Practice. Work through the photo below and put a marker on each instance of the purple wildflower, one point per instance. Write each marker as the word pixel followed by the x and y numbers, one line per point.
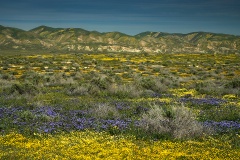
pixel 122 106
pixel 223 126
pixel 201 101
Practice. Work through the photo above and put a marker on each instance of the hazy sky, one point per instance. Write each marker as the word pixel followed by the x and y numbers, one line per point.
pixel 127 16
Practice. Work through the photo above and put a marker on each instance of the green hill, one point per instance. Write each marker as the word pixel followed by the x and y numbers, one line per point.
pixel 44 38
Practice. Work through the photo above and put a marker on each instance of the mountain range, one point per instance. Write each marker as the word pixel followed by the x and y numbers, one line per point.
pixel 48 39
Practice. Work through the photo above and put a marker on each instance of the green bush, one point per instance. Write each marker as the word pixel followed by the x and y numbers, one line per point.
pixel 22 88
pixel 235 83
pixel 102 83
pixel 231 113
pixel 33 77
pixel 7 76
pixel 26 116
pixel 159 85
pixel 148 83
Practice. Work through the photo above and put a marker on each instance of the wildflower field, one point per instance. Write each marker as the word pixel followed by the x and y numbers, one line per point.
pixel 119 106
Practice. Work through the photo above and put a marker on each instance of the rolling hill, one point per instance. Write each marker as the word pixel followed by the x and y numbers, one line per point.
pixel 48 39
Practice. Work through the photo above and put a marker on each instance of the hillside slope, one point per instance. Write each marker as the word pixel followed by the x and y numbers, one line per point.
pixel 45 38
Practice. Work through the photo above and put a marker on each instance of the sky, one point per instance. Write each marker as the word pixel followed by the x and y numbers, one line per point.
pixel 126 16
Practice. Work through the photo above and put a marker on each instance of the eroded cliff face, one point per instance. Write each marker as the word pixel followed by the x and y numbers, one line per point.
pixel 80 40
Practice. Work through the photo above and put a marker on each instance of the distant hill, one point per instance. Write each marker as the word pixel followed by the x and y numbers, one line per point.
pixel 44 38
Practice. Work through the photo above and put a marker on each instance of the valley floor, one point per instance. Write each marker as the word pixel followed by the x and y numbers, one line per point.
pixel 120 106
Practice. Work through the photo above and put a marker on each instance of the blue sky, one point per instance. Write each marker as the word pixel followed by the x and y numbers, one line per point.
pixel 127 16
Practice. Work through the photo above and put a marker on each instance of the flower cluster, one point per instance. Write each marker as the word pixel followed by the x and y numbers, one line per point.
pixel 122 106
pixel 49 119
pixel 202 101
pixel 223 126
pixel 99 145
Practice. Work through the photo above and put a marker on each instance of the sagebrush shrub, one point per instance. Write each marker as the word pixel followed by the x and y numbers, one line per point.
pixel 184 123
pixel 155 120
pixel 105 111
pixel 22 88
pixel 176 121
pixel 124 91
pixel 76 90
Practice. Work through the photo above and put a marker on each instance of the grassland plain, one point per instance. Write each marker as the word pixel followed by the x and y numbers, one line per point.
pixel 120 106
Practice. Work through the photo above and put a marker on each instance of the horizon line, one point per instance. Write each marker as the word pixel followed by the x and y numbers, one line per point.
pixel 7 26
